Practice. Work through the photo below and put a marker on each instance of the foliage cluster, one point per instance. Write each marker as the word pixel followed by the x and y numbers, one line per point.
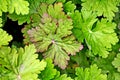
pixel 63 40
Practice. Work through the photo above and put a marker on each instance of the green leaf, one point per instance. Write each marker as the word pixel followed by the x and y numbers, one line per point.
pixel 3 6
pixel 63 77
pixel 69 6
pixel 33 5
pixel 117 76
pixel 116 62
pixel 21 18
pixel 106 65
pixel 76 1
pixel 63 1
pixel 81 59
pixel 21 64
pixel 92 73
pixel 55 10
pixel 102 7
pixel 5 38
pixel 19 6
pixel 55 75
pixel 46 74
pixel 53 35
pixel 99 35
pixel 48 1
pixel 0 22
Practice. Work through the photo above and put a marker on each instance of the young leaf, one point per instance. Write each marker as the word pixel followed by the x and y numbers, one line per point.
pixel 92 73
pixel 102 7
pixel 53 35
pixel 4 37
pixel 116 62
pixel 20 65
pixel 99 35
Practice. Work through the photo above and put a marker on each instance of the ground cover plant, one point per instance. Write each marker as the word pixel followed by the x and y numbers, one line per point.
pixel 59 39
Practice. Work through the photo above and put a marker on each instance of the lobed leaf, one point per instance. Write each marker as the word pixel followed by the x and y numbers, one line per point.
pixel 99 35
pixel 46 74
pixel 20 65
pixel 63 77
pixel 3 6
pixel 106 65
pixel 21 18
pixel 19 6
pixel 5 38
pixel 101 7
pixel 92 73
pixel 116 61
pixel 53 35
pixel 69 6
pixel 33 5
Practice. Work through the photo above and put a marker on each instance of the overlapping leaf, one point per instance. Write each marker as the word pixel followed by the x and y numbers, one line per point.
pixel 63 77
pixel 5 38
pixel 53 35
pixel 49 72
pixel 33 5
pixel 20 65
pixel 21 18
pixel 48 1
pixel 99 35
pixel 92 73
pixel 19 6
pixel 69 6
pixel 102 7
pixel 3 6
pixel 106 65
pixel 116 62
pixel 55 75
pixel 0 22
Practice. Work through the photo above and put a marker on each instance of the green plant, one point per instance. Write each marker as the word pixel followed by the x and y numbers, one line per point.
pixel 63 40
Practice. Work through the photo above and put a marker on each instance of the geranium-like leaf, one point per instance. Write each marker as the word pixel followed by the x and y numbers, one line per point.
pixel 3 6
pixel 53 35
pixel 106 65
pixel 102 7
pixel 21 64
pixel 21 18
pixel 98 34
pixel 69 6
pixel 4 37
pixel 19 6
pixel 33 5
pixel 46 74
pixel 116 62
pixel 63 77
pixel 92 73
